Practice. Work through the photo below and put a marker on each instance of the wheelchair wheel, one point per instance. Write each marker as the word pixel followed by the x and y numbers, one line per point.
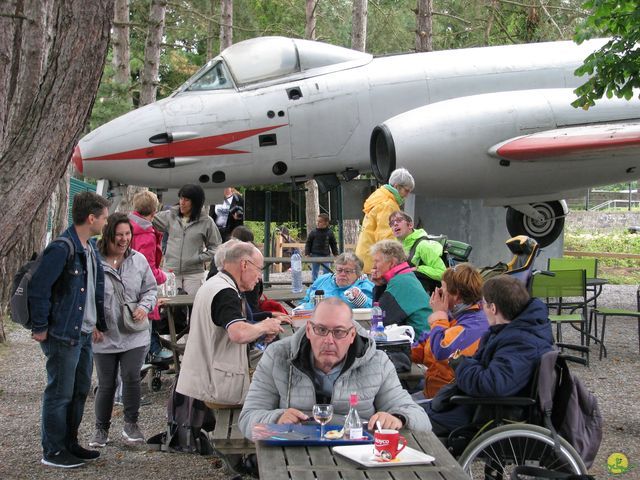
pixel 494 454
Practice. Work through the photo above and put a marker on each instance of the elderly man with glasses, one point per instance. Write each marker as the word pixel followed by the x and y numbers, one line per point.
pixel 348 283
pixel 323 363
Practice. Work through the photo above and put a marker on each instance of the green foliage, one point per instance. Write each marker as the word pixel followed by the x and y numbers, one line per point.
pixel 616 270
pixel 615 67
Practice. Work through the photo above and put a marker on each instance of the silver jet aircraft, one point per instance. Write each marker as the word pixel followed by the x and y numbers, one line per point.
pixel 491 123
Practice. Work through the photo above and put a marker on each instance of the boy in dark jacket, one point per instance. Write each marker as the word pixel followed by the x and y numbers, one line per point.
pixel 321 242
pixel 509 353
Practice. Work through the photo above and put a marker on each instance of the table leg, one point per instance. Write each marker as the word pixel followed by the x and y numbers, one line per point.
pixel 174 339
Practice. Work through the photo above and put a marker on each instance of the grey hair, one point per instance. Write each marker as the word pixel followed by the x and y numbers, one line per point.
pixel 402 178
pixel 221 252
pixel 350 257
pixel 390 249
pixel 240 251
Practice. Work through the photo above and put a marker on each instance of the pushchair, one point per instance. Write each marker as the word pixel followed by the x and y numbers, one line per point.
pixel 525 250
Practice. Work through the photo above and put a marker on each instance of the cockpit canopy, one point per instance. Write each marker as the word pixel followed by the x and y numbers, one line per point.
pixel 269 58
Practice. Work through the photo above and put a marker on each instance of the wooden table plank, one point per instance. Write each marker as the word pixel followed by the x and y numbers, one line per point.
pixel 298 457
pixel 271 462
pixel 449 468
pixel 323 456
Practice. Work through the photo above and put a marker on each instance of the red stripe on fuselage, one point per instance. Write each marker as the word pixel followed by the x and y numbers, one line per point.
pixel 538 147
pixel 197 147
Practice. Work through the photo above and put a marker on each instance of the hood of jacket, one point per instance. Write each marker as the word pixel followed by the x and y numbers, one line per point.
pixel 380 196
pixel 534 319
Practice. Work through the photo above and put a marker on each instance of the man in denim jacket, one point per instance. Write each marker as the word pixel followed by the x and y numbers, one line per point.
pixel 66 304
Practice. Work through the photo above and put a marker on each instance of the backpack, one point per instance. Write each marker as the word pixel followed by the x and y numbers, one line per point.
pixel 19 303
pixel 569 408
pixel 188 420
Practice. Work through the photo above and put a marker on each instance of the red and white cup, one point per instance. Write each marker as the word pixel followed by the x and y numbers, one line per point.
pixel 387 444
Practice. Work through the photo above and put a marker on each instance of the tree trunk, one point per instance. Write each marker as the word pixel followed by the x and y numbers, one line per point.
pixel 211 26
pixel 311 17
pixel 312 204
pixel 359 25
pixel 226 24
pixel 59 205
pixel 350 230
pixel 149 75
pixel 424 26
pixel 53 53
pixel 120 47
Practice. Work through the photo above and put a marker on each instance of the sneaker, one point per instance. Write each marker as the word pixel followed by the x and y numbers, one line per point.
pixel 82 453
pixel 62 459
pixel 132 433
pixel 100 438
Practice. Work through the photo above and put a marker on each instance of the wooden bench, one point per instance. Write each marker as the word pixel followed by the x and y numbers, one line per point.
pixel 227 439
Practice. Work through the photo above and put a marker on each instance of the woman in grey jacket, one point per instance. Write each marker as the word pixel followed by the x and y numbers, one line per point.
pixel 127 275
pixel 193 238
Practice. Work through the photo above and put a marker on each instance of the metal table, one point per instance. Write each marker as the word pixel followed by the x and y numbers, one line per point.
pixel 313 462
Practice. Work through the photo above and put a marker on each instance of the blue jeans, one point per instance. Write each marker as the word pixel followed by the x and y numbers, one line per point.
pixel 315 268
pixel 69 369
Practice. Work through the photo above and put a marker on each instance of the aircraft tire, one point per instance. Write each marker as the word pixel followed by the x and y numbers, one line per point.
pixel 545 232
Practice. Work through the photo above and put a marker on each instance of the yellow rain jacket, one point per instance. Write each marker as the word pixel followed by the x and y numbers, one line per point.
pixel 375 226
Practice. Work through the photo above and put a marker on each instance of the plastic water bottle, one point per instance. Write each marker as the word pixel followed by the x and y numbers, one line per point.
pixel 296 272
pixel 380 335
pixel 352 424
pixel 376 316
pixel 170 285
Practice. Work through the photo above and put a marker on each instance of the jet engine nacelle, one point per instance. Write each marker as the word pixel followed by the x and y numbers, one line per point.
pixel 517 148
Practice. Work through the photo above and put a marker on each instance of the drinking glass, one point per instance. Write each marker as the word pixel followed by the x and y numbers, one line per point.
pixel 322 413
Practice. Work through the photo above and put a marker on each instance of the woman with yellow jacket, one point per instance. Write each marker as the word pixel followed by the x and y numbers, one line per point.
pixel 377 208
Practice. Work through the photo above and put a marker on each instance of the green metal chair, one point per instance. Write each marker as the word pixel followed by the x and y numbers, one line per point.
pixel 589 265
pixel 616 312
pixel 565 293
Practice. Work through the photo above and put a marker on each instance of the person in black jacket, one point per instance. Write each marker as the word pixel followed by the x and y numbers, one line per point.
pixel 321 242
pixel 229 214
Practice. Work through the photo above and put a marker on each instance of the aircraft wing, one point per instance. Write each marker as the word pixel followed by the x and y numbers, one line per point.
pixel 572 143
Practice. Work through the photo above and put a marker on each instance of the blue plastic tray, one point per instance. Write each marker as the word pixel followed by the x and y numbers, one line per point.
pixel 274 434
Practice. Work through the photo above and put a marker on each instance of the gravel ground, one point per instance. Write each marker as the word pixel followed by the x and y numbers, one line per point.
pixel 614 380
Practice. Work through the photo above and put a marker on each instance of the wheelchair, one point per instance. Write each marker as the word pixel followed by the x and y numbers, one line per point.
pixel 509 432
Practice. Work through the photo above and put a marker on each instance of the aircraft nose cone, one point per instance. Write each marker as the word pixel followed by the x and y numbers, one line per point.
pixel 76 158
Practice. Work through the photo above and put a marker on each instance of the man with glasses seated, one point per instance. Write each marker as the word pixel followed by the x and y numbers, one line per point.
pixel 348 283
pixel 324 363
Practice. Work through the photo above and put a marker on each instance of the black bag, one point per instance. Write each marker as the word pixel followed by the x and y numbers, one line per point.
pixel 19 303
pixel 188 420
pixel 399 353
pixel 526 472
pixel 569 408
pixel 442 401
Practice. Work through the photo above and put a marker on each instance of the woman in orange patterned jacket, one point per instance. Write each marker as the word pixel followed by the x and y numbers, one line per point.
pixel 457 324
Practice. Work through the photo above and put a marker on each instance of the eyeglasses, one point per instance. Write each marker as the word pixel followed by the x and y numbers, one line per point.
pixel 393 221
pixel 348 271
pixel 322 331
pixel 249 261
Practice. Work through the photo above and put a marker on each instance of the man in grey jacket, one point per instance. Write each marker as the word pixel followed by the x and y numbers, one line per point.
pixel 324 363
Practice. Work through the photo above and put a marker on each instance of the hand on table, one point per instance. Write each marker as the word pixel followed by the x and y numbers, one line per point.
pixel 283 317
pixel 386 421
pixel 292 415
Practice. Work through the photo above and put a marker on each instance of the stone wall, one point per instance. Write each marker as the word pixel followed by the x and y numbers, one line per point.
pixel 601 221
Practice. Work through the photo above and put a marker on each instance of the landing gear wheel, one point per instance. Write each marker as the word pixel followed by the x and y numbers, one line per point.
pixel 545 232
pixel 156 384
pixel 494 454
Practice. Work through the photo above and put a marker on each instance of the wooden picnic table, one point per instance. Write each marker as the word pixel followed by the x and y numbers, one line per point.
pixel 284 295
pixel 172 303
pixel 319 462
